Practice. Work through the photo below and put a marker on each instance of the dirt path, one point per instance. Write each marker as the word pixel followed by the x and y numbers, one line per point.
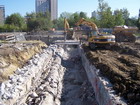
pixel 121 65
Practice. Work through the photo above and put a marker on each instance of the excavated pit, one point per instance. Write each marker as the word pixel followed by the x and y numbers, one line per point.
pixel 64 75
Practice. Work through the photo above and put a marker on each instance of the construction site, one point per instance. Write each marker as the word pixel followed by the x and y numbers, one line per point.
pixel 70 67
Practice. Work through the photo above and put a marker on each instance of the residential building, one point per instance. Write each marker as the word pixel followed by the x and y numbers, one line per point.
pixel 48 5
pixel 2 14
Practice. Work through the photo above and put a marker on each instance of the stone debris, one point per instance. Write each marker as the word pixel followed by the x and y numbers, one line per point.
pixel 53 77
pixel 21 83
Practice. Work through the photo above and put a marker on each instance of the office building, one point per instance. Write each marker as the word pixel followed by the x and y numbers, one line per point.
pixel 94 14
pixel 2 14
pixel 139 13
pixel 47 5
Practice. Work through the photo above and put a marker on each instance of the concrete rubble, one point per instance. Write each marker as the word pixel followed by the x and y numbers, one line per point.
pixel 53 77
pixel 21 84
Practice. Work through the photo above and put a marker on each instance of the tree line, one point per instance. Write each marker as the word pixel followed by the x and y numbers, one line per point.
pixel 104 17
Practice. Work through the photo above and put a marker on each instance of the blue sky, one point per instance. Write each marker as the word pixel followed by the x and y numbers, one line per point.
pixel 24 6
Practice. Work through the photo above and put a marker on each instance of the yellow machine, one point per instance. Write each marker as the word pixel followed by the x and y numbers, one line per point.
pixel 125 33
pixel 67 30
pixel 96 39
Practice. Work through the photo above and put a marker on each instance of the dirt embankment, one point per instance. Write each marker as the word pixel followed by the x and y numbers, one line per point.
pixel 121 65
pixel 15 55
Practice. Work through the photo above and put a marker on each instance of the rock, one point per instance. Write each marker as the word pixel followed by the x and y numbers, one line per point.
pixel 41 87
pixel 35 61
pixel 20 79
pixel 34 95
pixel 57 101
pixel 8 85
pixel 48 100
pixel 37 100
pixel 2 89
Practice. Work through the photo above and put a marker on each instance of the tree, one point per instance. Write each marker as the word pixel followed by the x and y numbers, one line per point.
pixel 119 20
pixel 102 6
pixel 106 18
pixel 83 15
pixel 131 21
pixel 66 15
pixel 125 13
pixel 39 21
pixel 15 19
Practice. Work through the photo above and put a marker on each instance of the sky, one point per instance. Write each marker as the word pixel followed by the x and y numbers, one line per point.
pixel 88 6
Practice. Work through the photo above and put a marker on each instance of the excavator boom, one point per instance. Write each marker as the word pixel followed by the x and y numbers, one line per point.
pixel 88 23
pixel 66 24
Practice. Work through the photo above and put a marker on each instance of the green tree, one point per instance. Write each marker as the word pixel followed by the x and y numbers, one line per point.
pixel 131 21
pixel 15 19
pixel 125 13
pixel 66 15
pixel 119 20
pixel 106 18
pixel 83 15
pixel 103 6
pixel 60 23
pixel 39 21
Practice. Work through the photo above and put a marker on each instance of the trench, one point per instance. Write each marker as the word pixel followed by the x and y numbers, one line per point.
pixel 76 88
pixel 66 86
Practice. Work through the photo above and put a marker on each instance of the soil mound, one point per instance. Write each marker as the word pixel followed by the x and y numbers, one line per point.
pixel 15 55
pixel 121 65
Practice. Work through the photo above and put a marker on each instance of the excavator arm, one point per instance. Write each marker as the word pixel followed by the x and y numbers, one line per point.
pixel 88 23
pixel 66 25
pixel 67 30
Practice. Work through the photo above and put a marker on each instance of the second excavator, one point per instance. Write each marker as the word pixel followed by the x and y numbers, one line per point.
pixel 96 39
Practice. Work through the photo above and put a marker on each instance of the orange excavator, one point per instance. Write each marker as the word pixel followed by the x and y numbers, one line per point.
pixel 96 39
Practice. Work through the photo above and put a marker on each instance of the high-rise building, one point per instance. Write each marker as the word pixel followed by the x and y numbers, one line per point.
pixel 94 14
pixel 47 5
pixel 2 14
pixel 139 13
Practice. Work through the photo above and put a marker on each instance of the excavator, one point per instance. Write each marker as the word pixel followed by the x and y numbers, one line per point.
pixel 96 39
pixel 67 30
